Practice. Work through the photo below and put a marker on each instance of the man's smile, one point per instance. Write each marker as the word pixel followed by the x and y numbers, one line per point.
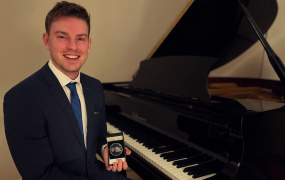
pixel 71 56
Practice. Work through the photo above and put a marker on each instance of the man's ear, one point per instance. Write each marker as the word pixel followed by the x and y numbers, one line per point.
pixel 46 40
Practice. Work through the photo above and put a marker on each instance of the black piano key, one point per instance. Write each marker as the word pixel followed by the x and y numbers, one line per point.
pixel 142 138
pixel 179 154
pixel 169 147
pixel 178 162
pixel 162 149
pixel 202 173
pixel 176 153
pixel 174 156
pixel 170 154
pixel 198 170
pixel 185 162
pixel 219 176
pixel 191 168
pixel 202 158
pixel 191 153
pixel 178 147
pixel 153 144
pixel 189 163
pixel 157 145
pixel 205 168
pixel 196 159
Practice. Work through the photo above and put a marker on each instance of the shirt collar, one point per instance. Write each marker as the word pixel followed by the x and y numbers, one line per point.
pixel 62 78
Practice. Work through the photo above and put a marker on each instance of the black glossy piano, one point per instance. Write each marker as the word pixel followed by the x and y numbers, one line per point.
pixel 182 124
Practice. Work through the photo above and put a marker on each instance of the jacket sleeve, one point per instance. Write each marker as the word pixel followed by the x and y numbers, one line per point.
pixel 28 141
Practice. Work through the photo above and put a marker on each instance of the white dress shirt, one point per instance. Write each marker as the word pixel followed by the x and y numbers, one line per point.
pixel 64 80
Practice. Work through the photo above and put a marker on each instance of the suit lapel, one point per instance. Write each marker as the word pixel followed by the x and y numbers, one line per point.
pixel 88 96
pixel 93 117
pixel 60 96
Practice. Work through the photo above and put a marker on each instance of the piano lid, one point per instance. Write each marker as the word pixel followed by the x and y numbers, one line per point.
pixel 216 29
pixel 221 29
pixel 176 75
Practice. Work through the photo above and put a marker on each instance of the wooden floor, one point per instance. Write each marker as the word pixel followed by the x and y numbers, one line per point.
pixel 132 175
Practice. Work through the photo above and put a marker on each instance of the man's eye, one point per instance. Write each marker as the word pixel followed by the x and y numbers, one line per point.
pixel 61 37
pixel 81 39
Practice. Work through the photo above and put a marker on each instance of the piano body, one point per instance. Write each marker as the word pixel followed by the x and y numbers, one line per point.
pixel 180 124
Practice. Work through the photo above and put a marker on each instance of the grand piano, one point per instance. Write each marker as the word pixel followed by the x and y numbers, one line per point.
pixel 182 124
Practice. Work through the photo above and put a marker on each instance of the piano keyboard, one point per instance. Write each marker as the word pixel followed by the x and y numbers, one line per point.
pixel 174 169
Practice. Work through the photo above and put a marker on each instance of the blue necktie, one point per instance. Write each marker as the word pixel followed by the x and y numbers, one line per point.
pixel 75 102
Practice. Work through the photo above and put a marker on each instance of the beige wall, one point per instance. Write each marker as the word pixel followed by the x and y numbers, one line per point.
pixel 123 32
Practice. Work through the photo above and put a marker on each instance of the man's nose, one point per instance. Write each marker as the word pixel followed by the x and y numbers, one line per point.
pixel 71 44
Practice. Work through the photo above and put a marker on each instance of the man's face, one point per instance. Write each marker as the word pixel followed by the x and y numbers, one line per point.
pixel 69 44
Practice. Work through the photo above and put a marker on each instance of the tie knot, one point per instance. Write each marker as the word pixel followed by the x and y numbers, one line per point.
pixel 71 86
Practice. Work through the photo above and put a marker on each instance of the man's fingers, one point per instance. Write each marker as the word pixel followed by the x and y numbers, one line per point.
pixel 114 168
pixel 128 152
pixel 109 168
pixel 125 165
pixel 106 157
pixel 120 165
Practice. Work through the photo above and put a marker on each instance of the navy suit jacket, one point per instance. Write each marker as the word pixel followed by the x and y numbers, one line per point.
pixel 42 131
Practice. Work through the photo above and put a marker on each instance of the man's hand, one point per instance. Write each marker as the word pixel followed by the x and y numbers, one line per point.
pixel 116 166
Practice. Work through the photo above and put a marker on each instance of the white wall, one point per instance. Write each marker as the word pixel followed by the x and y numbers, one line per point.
pixel 123 32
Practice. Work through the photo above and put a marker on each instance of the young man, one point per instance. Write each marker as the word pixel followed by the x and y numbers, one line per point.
pixel 55 119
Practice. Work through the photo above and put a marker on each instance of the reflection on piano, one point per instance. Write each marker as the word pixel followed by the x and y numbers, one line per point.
pixel 180 124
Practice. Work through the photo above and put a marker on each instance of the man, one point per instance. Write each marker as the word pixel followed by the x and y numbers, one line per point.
pixel 55 119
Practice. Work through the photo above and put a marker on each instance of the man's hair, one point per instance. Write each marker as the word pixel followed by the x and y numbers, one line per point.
pixel 66 9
